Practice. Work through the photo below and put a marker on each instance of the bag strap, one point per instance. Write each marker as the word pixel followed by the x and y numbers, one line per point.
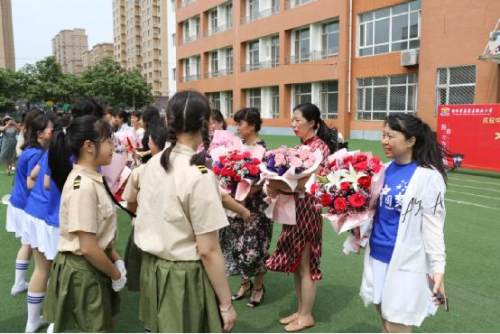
pixel 106 186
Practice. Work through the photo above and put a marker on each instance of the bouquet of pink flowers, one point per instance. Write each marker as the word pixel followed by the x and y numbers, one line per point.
pixel 347 187
pixel 288 166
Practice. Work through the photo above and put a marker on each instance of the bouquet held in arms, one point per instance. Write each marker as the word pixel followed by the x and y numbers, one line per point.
pixel 235 164
pixel 348 187
pixel 286 170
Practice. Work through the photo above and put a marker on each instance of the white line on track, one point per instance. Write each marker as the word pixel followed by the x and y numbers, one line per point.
pixel 473 181
pixel 471 187
pixel 471 194
pixel 472 204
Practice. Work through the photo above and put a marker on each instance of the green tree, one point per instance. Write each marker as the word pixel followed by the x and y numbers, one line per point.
pixel 10 89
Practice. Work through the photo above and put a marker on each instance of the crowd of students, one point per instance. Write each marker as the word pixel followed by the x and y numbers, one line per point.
pixel 183 245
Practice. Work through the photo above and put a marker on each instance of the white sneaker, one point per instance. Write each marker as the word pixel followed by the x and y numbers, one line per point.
pixel 18 288
pixel 33 327
pixel 50 329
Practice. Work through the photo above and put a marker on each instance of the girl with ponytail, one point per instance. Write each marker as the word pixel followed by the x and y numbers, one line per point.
pixel 177 223
pixel 405 258
pixel 87 271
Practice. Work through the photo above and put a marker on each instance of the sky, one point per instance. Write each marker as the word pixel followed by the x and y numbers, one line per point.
pixel 36 22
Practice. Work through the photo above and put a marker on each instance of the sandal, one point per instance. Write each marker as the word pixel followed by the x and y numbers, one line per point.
pixel 255 303
pixel 238 296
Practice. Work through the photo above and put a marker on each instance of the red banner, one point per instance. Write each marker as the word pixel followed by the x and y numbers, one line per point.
pixel 472 130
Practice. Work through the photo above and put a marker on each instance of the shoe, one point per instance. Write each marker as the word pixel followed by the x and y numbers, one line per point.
pixel 237 296
pixel 255 303
pixel 18 288
pixel 291 318
pixel 33 327
pixel 298 325
pixel 50 329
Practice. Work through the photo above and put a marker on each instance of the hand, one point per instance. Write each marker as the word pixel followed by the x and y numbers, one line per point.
pixel 438 288
pixel 31 182
pixel 119 283
pixel 228 315
pixel 246 215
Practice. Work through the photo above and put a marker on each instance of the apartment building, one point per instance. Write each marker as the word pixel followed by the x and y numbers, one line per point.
pixel 68 47
pixel 357 60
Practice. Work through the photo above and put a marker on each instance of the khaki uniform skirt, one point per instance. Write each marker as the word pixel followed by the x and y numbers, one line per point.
pixel 177 297
pixel 79 296
pixel 132 259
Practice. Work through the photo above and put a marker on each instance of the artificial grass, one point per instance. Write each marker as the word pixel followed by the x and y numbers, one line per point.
pixel 472 248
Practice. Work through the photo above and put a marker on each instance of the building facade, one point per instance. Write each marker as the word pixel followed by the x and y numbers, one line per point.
pixel 141 40
pixel 68 47
pixel 97 54
pixel 7 54
pixel 357 60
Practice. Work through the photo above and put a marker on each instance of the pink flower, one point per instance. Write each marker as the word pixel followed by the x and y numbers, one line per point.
pixel 279 159
pixel 295 162
pixel 308 163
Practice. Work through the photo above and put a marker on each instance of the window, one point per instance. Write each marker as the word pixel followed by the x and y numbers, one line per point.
pixel 302 94
pixel 229 104
pixel 377 97
pixel 302 48
pixel 253 55
pixel 214 100
pixel 329 39
pixel 229 60
pixel 456 85
pixel 212 21
pixel 253 9
pixel 390 29
pixel 329 95
pixel 229 15
pixel 275 51
pixel 214 63
pixel 275 102
pixel 253 98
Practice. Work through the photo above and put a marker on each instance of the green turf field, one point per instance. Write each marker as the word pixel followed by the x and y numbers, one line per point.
pixel 473 248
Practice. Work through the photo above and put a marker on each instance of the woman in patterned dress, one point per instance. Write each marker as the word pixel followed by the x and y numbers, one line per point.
pixel 299 246
pixel 246 242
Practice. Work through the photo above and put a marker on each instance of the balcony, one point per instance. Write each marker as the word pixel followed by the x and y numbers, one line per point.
pixel 260 15
pixel 218 29
pixel 219 73
pixel 185 3
pixel 189 39
pixel 308 57
pixel 259 66
pixel 192 77
pixel 291 4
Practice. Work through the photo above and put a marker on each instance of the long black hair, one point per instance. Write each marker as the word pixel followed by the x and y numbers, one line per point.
pixel 150 116
pixel 67 142
pixel 427 152
pixel 329 135
pixel 37 124
pixel 187 112
pixel 249 115
pixel 87 106
pixel 159 135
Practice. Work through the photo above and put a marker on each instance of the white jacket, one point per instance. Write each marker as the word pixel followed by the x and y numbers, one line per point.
pixel 419 250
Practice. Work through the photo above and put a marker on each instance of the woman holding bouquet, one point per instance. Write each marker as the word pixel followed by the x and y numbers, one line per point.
pixel 245 243
pixel 299 246
pixel 405 258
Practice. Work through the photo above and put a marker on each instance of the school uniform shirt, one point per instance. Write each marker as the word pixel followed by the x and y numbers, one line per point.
pixel 132 187
pixel 38 199
pixel 54 204
pixel 176 206
pixel 85 207
pixel 27 161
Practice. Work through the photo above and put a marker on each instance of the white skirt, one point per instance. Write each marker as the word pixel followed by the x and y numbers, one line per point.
pixel 15 220
pixel 41 236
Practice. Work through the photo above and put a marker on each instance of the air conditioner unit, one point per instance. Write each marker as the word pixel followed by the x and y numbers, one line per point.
pixel 409 57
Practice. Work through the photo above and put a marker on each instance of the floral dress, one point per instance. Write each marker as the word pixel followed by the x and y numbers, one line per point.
pixel 308 230
pixel 245 245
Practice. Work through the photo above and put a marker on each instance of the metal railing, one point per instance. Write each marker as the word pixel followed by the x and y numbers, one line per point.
pixel 219 73
pixel 191 77
pixel 260 66
pixel 260 15
pixel 189 39
pixel 290 4
pixel 310 56
pixel 218 29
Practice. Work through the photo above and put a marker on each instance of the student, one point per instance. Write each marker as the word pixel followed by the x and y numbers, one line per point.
pixel 119 121
pixel 405 259
pixel 87 272
pixel 157 140
pixel 38 133
pixel 183 286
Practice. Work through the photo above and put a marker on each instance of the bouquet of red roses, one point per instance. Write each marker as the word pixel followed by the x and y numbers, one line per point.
pixel 237 171
pixel 347 187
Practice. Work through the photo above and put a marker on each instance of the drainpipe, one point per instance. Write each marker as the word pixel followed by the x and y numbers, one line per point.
pixel 349 60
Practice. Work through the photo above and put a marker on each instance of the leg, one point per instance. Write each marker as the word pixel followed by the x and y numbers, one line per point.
pixel 257 291
pixel 397 328
pixel 22 264
pixel 298 291
pixel 379 311
pixel 36 291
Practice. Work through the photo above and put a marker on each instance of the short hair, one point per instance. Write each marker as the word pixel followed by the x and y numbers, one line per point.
pixel 249 115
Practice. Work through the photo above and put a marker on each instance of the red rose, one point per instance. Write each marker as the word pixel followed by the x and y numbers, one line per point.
pixel 246 155
pixel 357 200
pixel 345 186
pixel 333 164
pixel 375 164
pixel 340 204
pixel 253 170
pixel 216 170
pixel 360 158
pixel 326 199
pixel 314 188
pixel 348 160
pixel 361 166
pixel 365 182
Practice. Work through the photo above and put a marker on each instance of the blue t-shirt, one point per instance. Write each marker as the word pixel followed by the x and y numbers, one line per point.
pixel 54 204
pixel 386 220
pixel 36 205
pixel 27 161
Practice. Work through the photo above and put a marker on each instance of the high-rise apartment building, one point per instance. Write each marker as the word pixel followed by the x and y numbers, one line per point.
pixel 358 60
pixel 98 53
pixel 7 55
pixel 68 47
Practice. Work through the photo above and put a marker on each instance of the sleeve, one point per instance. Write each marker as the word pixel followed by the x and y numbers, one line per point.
pixel 205 205
pixel 33 160
pixel 434 213
pixel 83 207
pixel 132 187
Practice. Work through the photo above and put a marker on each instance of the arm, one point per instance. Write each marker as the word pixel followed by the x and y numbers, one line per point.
pixel 231 204
pixel 96 256
pixel 132 207
pixel 30 181
pixel 213 262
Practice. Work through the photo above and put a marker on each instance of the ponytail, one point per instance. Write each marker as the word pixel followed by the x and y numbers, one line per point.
pixel 201 157
pixel 329 135
pixel 426 151
pixel 59 159
pixel 165 156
